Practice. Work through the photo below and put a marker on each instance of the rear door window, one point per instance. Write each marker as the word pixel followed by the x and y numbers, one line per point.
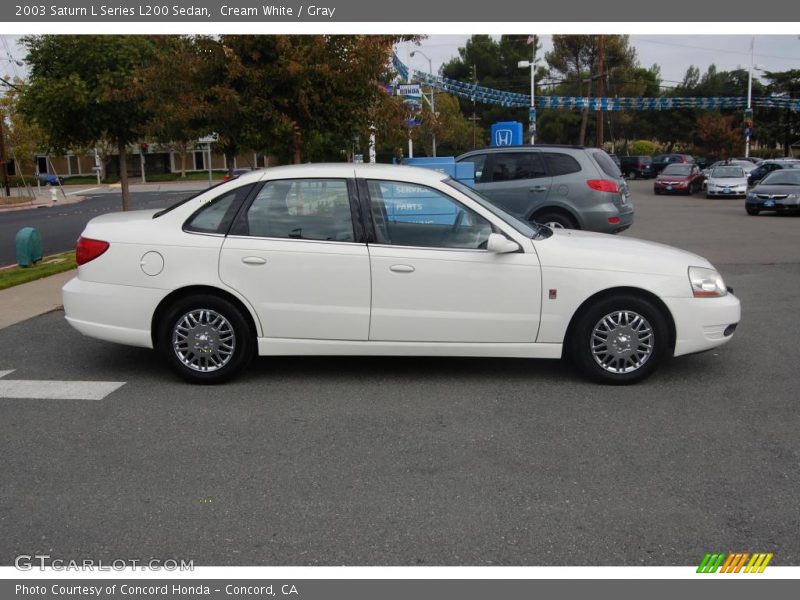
pixel 510 166
pixel 299 209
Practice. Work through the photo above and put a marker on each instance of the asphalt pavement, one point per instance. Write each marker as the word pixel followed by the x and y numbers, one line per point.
pixel 424 461
pixel 61 222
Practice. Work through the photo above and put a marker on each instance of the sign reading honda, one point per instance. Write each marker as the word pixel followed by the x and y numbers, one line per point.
pixel 409 90
pixel 507 133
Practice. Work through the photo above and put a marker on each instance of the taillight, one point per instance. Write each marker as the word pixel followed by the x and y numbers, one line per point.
pixel 88 249
pixel 603 185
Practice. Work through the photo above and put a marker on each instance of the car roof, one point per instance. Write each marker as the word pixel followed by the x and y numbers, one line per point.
pixel 346 170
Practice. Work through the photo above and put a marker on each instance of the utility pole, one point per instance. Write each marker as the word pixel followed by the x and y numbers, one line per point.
pixel 473 118
pixel 3 159
pixel 600 89
pixel 585 113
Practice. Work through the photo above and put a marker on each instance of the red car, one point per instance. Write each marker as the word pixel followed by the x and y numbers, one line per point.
pixel 679 178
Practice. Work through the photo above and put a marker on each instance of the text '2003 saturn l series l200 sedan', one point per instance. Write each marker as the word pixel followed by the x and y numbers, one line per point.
pixel 384 260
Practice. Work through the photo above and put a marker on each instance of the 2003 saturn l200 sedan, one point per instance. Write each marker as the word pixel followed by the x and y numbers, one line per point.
pixel 384 260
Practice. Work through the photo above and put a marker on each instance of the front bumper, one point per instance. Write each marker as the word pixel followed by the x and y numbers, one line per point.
pixel 784 204
pixel 675 188
pixel 733 192
pixel 703 323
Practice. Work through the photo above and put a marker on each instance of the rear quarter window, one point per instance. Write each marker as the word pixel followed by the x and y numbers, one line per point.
pixel 559 163
pixel 606 164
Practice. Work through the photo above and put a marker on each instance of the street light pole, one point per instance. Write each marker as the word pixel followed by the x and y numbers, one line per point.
pixel 432 101
pixel 748 113
pixel 524 64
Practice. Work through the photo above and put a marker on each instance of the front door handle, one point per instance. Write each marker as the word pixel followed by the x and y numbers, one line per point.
pixel 254 260
pixel 402 268
pixel 538 188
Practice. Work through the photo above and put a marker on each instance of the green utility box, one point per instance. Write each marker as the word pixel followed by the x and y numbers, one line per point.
pixel 29 246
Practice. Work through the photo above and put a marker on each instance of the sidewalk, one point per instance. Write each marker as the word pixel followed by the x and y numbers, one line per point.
pixel 32 299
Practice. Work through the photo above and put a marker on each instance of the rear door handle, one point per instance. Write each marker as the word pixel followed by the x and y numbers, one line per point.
pixel 538 188
pixel 254 260
pixel 402 268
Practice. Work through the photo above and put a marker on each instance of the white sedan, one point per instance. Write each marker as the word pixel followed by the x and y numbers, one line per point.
pixel 726 181
pixel 384 260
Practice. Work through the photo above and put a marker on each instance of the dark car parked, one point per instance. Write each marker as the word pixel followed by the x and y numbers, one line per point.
pixel 636 166
pixel 662 160
pixel 767 167
pixel 779 191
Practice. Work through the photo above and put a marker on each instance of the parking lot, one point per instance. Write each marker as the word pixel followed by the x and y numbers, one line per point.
pixel 425 461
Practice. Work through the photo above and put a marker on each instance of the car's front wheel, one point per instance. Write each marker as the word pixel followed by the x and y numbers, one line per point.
pixel 752 211
pixel 619 340
pixel 556 220
pixel 206 339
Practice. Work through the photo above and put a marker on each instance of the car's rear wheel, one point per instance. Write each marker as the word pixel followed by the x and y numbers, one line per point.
pixel 619 340
pixel 206 339
pixel 556 220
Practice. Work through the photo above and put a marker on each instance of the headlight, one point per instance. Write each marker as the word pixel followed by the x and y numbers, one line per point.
pixel 706 283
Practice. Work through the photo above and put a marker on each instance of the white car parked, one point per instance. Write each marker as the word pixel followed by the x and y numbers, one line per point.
pixel 384 260
pixel 727 181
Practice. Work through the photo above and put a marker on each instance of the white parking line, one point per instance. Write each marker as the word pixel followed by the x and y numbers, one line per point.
pixel 56 390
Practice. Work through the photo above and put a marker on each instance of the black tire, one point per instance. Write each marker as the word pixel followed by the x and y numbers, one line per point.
pixel 657 191
pixel 752 211
pixel 559 220
pixel 225 330
pixel 623 365
pixel 634 175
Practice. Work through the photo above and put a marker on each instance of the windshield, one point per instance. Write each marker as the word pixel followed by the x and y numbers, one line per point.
pixel 677 170
pixel 782 177
pixel 531 230
pixel 727 173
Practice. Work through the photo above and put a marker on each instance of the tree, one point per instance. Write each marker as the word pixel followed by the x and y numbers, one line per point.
pixel 785 125
pixel 308 97
pixel 180 89
pixel 493 63
pixel 719 134
pixel 23 139
pixel 80 89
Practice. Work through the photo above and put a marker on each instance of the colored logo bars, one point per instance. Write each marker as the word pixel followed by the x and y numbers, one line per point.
pixel 735 562
pixel 472 91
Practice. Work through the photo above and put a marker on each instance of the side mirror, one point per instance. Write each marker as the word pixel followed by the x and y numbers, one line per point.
pixel 500 244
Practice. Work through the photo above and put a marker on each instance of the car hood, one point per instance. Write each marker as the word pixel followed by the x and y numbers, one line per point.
pixel 729 181
pixel 776 189
pixel 570 248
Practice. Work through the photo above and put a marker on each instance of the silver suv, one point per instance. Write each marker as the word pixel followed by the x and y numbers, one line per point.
pixel 561 186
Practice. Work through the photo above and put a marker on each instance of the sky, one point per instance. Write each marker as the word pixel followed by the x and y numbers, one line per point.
pixel 674 53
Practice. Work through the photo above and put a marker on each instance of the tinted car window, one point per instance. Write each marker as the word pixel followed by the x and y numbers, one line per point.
pixel 414 215
pixel 216 216
pixel 479 160
pixel 517 165
pixel 606 164
pixel 559 163
pixel 304 209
